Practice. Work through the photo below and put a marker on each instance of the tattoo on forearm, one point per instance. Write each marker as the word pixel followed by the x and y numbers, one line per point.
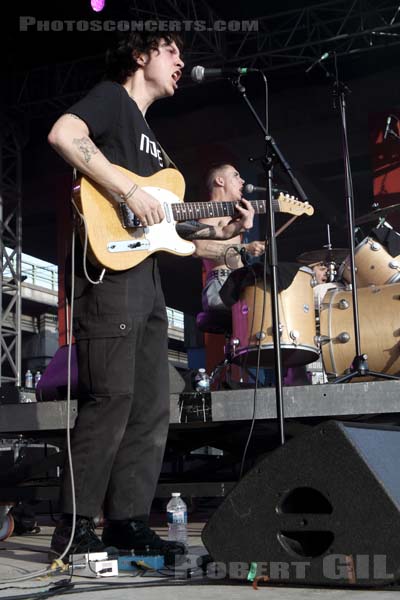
pixel 86 147
pixel 208 233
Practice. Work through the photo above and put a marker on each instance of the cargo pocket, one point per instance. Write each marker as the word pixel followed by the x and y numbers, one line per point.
pixel 106 326
pixel 106 354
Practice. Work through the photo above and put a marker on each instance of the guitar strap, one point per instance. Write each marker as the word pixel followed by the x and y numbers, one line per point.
pixel 168 162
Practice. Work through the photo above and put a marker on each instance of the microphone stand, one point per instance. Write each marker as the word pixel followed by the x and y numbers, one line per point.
pixel 359 366
pixel 272 154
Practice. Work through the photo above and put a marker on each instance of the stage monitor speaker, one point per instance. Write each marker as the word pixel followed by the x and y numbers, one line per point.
pixel 322 509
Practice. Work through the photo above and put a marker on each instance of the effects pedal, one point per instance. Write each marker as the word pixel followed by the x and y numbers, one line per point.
pixel 94 564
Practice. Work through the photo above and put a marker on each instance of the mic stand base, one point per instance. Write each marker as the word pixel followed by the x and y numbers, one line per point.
pixel 360 368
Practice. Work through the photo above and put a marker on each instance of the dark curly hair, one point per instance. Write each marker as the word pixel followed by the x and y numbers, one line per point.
pixel 120 61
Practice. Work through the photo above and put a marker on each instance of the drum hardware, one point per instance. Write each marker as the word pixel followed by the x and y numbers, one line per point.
pixel 359 365
pixel 331 271
pixel 343 304
pixel 344 337
pixel 294 335
pixel 327 256
pixel 394 264
pixel 323 255
pixel 379 213
pixel 320 340
pixel 230 348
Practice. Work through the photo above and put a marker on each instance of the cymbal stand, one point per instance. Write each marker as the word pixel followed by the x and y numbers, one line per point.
pixel 359 366
pixel 331 266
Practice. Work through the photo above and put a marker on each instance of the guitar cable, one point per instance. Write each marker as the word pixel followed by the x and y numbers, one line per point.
pixel 68 433
pixel 69 359
pixel 57 565
pixel 85 246
pixel 59 560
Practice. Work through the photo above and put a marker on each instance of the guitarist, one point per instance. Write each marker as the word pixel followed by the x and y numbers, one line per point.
pixel 120 325
pixel 220 258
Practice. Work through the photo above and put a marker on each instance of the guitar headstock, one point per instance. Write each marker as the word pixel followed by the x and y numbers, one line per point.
pixel 293 206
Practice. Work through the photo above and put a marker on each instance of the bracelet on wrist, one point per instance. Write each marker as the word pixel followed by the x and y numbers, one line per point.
pixel 130 192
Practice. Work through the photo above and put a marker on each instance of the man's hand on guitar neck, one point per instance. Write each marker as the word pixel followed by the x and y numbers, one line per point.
pixel 243 222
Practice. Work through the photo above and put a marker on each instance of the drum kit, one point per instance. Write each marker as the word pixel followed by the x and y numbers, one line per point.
pixel 316 319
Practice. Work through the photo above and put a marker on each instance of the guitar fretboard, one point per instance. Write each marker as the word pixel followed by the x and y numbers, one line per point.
pixel 187 211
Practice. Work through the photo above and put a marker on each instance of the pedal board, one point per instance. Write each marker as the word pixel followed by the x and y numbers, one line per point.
pixel 135 562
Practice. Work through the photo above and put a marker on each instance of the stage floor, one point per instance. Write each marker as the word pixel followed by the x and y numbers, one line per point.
pixel 223 415
pixel 22 555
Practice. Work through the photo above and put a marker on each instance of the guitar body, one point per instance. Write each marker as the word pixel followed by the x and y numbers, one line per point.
pixel 117 248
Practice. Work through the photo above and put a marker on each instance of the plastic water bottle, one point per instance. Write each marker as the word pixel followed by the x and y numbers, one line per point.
pixel 177 519
pixel 38 376
pixel 28 379
pixel 202 381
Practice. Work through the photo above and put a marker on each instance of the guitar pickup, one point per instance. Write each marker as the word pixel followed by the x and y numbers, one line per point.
pixel 127 216
pixel 128 246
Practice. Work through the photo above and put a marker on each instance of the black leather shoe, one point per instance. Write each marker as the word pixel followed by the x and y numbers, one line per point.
pixel 137 536
pixel 85 538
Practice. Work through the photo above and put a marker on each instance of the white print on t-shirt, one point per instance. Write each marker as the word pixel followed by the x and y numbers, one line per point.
pixel 150 147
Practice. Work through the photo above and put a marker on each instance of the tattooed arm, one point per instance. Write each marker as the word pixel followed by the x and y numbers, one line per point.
pixel 70 138
pixel 223 228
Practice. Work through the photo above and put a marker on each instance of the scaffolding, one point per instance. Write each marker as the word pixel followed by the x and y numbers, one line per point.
pixel 282 40
pixel 11 251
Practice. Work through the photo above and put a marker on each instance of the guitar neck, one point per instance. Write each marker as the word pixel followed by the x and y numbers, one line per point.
pixel 187 211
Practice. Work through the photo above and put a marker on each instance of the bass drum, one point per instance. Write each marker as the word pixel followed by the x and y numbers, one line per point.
pixel 379 329
pixel 374 265
pixel 297 324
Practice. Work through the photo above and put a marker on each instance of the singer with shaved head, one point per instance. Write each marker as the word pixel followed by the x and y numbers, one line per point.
pixel 220 258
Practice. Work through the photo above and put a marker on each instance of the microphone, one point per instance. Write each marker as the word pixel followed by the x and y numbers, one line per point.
pixel 319 60
pixel 249 188
pixel 388 122
pixel 199 74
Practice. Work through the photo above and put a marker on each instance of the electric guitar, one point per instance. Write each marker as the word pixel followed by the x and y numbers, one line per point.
pixel 118 241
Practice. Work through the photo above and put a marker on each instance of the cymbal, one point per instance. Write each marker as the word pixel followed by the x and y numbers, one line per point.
pixel 376 214
pixel 323 255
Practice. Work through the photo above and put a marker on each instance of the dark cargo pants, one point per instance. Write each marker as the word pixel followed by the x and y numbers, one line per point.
pixel 119 439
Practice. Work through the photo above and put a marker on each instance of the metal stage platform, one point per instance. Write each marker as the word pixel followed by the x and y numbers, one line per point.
pixel 321 401
pixel 199 425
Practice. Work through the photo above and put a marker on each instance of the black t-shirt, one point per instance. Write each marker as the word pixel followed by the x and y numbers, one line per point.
pixel 118 128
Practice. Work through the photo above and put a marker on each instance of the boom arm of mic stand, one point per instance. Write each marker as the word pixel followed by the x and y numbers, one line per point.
pixel 271 142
